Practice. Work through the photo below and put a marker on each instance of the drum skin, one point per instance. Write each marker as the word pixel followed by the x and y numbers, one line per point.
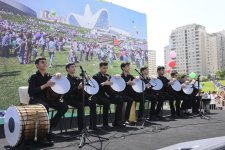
pixel 139 86
pixel 156 84
pixel 30 116
pixel 176 87
pixel 92 88
pixel 188 90
pixel 118 84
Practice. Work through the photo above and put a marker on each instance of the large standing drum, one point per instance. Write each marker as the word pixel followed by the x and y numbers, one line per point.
pixel 24 124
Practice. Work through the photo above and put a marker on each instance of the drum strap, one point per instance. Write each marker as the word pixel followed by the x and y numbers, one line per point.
pixel 36 126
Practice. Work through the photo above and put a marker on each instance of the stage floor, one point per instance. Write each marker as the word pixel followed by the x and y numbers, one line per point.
pixel 154 136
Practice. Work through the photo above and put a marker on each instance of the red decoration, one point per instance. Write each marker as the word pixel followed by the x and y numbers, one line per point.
pixel 172 63
pixel 168 70
pixel 116 42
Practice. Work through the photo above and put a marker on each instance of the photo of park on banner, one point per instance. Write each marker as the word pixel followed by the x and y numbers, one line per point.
pixel 86 35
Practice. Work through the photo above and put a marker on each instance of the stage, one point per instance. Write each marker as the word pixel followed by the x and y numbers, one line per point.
pixel 154 136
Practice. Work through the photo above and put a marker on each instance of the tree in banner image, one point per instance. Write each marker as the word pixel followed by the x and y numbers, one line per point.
pixel 220 74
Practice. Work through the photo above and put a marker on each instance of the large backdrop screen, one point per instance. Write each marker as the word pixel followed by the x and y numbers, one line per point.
pixel 82 31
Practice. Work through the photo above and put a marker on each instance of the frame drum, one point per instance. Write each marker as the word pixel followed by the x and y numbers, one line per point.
pixel 156 84
pixel 188 89
pixel 52 96
pixel 91 87
pixel 23 123
pixel 61 86
pixel 176 86
pixel 139 85
pixel 118 84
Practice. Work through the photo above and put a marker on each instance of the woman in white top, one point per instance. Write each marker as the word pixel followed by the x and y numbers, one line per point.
pixel 51 50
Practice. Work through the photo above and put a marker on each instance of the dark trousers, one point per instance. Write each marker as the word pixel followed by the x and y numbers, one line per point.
pixel 206 103
pixel 196 104
pixel 5 51
pixel 185 102
pixel 163 96
pixel 106 101
pixel 61 108
pixel 147 96
pixel 42 50
pixel 76 102
pixel 129 100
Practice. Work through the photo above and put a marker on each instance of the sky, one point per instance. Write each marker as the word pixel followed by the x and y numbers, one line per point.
pixel 163 16
pixel 119 17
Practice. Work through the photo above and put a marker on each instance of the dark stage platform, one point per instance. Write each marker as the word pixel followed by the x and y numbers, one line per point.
pixel 154 136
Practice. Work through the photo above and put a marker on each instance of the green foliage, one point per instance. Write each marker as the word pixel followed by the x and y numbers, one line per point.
pixel 209 86
pixel 204 78
pixel 220 74
pixel 179 75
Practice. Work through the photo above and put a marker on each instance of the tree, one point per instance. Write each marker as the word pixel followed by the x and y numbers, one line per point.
pixel 220 74
pixel 209 77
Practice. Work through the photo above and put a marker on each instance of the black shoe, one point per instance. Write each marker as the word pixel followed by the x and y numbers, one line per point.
pixel 153 118
pixel 188 114
pixel 173 116
pixel 93 128
pixel 47 141
pixel 195 112
pixel 106 126
pixel 139 120
pixel 185 116
pixel 160 117
pixel 178 115
pixel 119 125
pixel 80 129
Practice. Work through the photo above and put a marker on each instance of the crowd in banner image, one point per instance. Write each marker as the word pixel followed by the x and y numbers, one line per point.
pixel 29 38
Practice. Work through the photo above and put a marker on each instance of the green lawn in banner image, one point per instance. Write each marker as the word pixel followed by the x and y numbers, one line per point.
pixel 209 86
pixel 14 75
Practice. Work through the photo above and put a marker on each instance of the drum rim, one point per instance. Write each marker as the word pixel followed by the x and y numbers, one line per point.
pixel 133 86
pixel 189 87
pixel 97 86
pixel 121 80
pixel 67 83
pixel 178 83
pixel 21 126
pixel 161 84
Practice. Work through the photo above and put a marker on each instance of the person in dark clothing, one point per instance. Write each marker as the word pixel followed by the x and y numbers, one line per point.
pixel 128 95
pixel 6 45
pixel 106 96
pixel 148 95
pixel 190 98
pixel 164 95
pixel 39 83
pixel 179 96
pixel 74 96
pixel 196 100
